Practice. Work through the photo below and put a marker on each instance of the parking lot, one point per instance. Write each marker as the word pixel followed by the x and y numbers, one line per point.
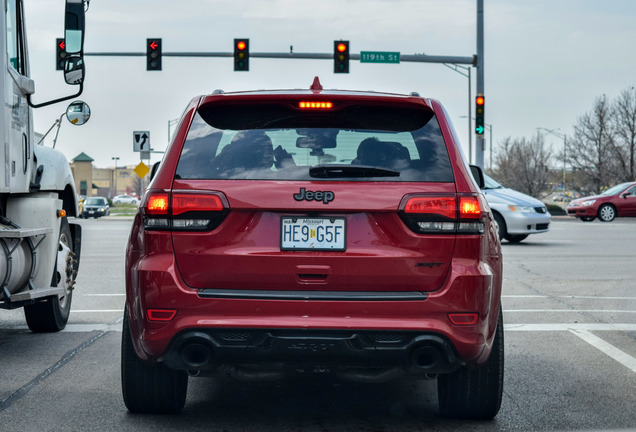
pixel 569 308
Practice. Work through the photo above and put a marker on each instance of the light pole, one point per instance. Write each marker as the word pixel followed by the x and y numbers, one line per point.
pixel 170 124
pixel 115 158
pixel 564 137
pixel 457 68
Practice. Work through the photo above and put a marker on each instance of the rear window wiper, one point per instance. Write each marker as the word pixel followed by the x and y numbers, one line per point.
pixel 348 171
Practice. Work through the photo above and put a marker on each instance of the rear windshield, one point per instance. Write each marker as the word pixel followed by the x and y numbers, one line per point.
pixel 274 142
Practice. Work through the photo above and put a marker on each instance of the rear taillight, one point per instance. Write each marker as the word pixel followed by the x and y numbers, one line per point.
pixel 443 214
pixel 184 210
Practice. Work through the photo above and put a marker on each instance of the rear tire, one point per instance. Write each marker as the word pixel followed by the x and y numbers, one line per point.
pixel 475 393
pixel 149 388
pixel 51 315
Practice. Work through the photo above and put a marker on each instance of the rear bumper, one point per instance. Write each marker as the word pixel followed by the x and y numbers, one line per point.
pixel 313 330
pixel 345 352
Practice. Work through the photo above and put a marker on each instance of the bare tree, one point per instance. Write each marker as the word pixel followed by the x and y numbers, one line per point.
pixel 522 164
pixel 591 150
pixel 624 124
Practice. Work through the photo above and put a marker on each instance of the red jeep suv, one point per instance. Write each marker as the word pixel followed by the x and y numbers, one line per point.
pixel 314 231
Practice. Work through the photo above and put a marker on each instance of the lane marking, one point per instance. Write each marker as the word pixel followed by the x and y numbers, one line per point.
pixel 97 311
pixel 569 327
pixel 600 298
pixel 86 328
pixel 606 348
pixel 570 297
pixel 569 310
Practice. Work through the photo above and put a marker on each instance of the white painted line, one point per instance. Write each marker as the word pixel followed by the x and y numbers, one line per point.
pixel 620 356
pixel 600 298
pixel 97 311
pixel 570 297
pixel 568 310
pixel 569 327
pixel 86 328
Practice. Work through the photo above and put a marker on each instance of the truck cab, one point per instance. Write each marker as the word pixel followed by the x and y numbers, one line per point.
pixel 39 248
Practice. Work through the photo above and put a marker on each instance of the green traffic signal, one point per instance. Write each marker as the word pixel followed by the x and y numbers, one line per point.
pixel 480 105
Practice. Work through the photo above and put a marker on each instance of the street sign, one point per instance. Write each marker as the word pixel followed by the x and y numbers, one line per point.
pixel 142 169
pixel 141 141
pixel 379 57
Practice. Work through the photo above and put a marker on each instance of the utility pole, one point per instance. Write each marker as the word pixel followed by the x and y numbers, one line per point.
pixel 479 141
pixel 115 158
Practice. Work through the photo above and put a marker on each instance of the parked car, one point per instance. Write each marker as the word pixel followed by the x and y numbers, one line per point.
pixel 618 201
pixel 518 215
pixel 95 207
pixel 314 231
pixel 125 199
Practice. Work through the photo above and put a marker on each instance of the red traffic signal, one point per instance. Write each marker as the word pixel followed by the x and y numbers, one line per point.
pixel 153 54
pixel 241 55
pixel 60 53
pixel 341 57
pixel 480 104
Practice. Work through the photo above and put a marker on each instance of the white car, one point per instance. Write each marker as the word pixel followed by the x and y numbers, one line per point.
pixel 125 199
pixel 517 215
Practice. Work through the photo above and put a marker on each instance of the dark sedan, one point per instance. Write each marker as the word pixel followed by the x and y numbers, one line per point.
pixel 618 201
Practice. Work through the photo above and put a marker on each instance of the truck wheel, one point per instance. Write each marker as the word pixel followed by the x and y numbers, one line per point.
pixel 149 388
pixel 475 393
pixel 51 315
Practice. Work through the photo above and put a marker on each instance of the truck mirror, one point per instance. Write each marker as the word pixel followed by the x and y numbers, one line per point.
pixel 74 70
pixel 74 27
pixel 78 113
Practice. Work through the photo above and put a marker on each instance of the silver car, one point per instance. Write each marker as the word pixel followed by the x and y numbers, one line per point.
pixel 517 215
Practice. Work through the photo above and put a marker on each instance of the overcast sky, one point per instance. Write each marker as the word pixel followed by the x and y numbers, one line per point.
pixel 545 60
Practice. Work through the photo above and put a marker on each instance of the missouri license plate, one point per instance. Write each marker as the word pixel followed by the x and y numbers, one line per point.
pixel 313 233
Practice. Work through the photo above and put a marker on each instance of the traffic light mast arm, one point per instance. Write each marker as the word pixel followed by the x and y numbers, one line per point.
pixel 404 58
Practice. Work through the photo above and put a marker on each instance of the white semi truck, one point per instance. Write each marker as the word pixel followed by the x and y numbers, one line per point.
pixel 39 248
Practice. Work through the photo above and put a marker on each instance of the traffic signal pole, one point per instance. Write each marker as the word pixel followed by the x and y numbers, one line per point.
pixel 480 143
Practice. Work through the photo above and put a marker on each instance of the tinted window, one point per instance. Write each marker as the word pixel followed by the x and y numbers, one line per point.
pixel 95 201
pixel 270 142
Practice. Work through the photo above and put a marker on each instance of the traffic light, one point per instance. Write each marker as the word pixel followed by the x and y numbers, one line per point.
pixel 479 114
pixel 241 54
pixel 153 54
pixel 340 56
pixel 60 56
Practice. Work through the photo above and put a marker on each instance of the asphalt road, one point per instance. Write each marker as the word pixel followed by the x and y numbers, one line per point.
pixel 570 312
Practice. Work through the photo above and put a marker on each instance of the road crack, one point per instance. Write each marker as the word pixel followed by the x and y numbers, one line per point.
pixel 24 390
